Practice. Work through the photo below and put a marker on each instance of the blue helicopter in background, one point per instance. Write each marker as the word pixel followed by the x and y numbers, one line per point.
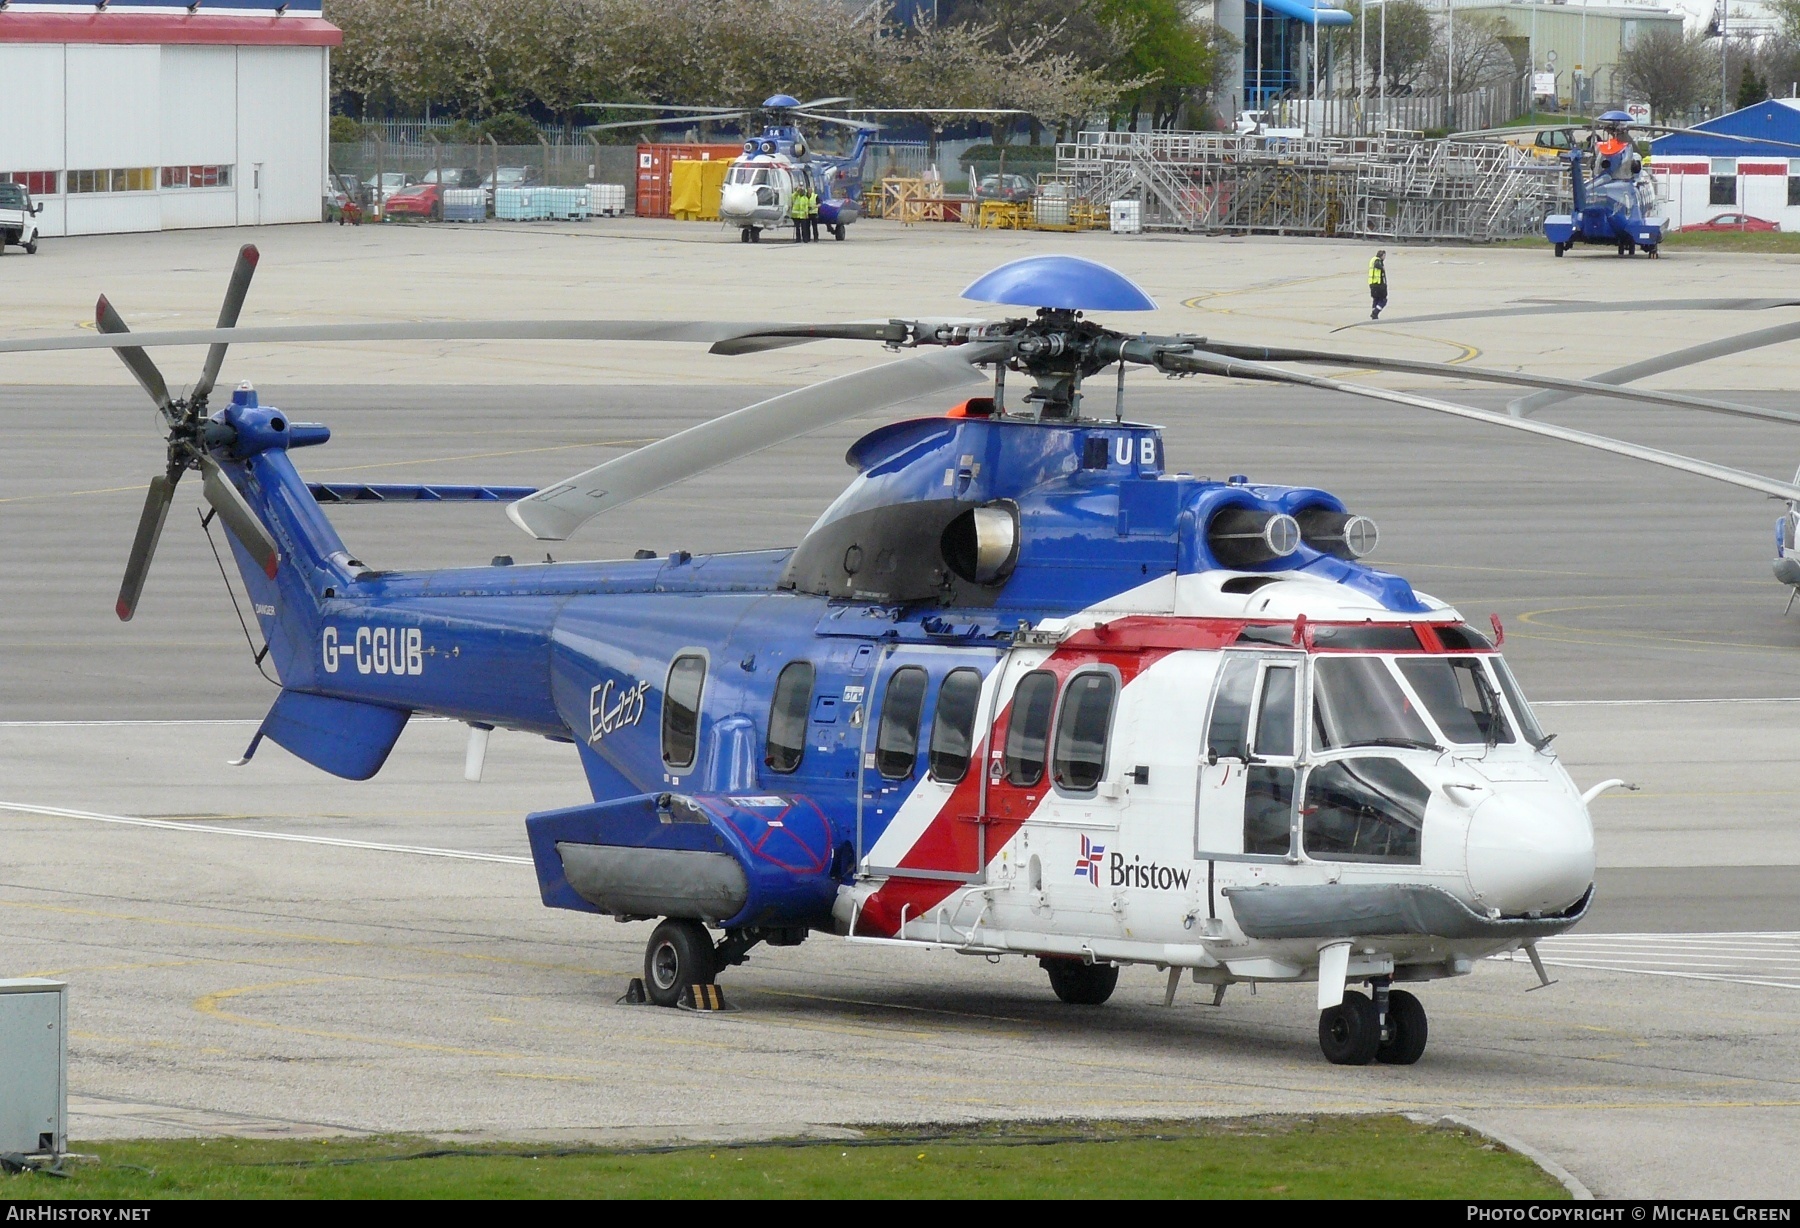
pixel 759 187
pixel 1025 688
pixel 1613 208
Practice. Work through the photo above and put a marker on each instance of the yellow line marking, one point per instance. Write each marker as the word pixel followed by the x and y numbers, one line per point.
pixel 1535 618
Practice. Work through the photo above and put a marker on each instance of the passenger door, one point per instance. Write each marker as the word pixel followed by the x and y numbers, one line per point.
pixel 1245 809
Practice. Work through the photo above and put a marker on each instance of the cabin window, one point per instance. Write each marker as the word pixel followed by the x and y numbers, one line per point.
pixel 1723 182
pixel 1269 810
pixel 1459 697
pixel 1028 730
pixel 787 717
pixel 897 741
pixel 681 710
pixel 1081 731
pixel 1275 714
pixel 953 726
pixel 1358 702
pixel 1228 735
pixel 1793 183
pixel 1364 810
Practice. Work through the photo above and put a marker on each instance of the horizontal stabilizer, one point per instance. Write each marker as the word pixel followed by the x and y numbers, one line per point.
pixel 343 736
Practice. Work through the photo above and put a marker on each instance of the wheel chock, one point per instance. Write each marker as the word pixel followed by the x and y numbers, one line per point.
pixel 634 993
pixel 702 998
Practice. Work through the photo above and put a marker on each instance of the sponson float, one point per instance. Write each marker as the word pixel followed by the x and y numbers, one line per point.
pixel 1024 688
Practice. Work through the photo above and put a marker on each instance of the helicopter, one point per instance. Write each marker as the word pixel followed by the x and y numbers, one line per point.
pixel 759 186
pixel 1024 689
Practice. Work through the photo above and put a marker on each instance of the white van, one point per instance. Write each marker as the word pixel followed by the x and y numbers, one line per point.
pixel 18 218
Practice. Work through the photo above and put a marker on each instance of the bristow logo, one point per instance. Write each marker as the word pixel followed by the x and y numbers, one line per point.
pixel 1088 864
pixel 611 707
pixel 1137 874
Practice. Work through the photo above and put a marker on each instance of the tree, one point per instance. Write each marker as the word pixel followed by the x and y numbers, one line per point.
pixel 1482 57
pixel 1668 68
pixel 1168 56
pixel 1751 89
pixel 1410 43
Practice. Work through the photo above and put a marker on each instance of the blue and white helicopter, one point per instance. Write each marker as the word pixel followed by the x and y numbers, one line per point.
pixel 759 188
pixel 1025 688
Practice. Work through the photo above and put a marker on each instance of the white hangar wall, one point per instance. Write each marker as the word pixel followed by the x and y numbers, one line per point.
pixel 119 137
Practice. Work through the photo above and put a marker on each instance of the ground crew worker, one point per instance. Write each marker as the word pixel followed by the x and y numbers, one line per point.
pixel 800 210
pixel 1378 284
pixel 812 215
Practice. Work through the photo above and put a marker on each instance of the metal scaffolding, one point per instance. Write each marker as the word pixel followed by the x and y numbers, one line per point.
pixel 1395 186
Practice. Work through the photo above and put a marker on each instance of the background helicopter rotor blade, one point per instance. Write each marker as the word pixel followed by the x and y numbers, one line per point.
pixel 857 124
pixel 108 321
pixel 239 286
pixel 813 104
pixel 557 511
pixel 1723 347
pixel 1201 362
pixel 701 332
pixel 143 546
pixel 655 106
pixel 238 517
pixel 1563 388
pixel 664 121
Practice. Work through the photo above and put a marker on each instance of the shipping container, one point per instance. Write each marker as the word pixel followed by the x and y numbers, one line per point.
pixel 655 163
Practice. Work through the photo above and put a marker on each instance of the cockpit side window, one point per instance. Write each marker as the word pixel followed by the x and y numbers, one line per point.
pixel 1275 714
pixel 1228 734
pixel 1459 696
pixel 1528 723
pixel 1364 809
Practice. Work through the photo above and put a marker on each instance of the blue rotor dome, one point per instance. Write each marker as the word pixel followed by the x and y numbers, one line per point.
pixel 781 100
pixel 1068 282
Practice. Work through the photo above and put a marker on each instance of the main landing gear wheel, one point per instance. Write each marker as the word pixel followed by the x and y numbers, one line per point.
pixel 1406 1030
pixel 756 234
pixel 837 232
pixel 680 954
pixel 1350 1032
pixel 1081 984
pixel 743 234
pixel 1561 248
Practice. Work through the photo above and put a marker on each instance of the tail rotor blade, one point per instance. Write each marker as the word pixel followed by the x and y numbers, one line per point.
pixel 107 320
pixel 238 517
pixel 228 318
pixel 143 546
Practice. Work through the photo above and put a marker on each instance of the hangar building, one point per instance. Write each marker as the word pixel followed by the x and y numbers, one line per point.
pixel 1704 176
pixel 135 115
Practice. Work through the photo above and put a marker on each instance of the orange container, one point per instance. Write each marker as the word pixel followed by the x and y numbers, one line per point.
pixel 655 163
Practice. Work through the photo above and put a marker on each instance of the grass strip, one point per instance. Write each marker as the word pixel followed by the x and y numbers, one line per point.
pixel 1263 1157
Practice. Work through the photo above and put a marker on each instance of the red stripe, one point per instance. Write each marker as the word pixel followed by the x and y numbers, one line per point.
pixel 952 839
pixel 168 29
pixel 1681 168
pixel 1779 168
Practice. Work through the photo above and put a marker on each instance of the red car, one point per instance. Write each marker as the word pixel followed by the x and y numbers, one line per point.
pixel 1735 222
pixel 417 200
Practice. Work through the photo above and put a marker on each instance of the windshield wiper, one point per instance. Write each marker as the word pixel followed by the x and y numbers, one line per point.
pixel 1410 743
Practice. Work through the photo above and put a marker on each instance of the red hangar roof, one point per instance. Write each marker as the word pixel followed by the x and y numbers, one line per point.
pixel 177 29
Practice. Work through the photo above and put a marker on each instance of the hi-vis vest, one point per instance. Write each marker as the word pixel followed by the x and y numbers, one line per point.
pixel 1377 274
pixel 802 203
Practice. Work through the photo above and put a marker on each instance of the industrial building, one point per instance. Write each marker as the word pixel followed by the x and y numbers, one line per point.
pixel 132 116
pixel 1704 176
pixel 1282 55
pixel 1574 49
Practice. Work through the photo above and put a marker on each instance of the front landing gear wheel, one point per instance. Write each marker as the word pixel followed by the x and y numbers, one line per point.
pixel 1406 1031
pixel 680 954
pixel 1350 1032
pixel 1081 984
pixel 1561 248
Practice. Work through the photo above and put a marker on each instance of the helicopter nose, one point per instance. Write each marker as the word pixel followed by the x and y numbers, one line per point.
pixel 737 200
pixel 1530 855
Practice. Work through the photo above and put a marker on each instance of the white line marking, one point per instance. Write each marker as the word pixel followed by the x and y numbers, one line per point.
pixel 1651 703
pixel 253 834
pixel 210 720
pixel 1762 959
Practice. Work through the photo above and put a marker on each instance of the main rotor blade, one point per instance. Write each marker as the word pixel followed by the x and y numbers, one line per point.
pixel 654 106
pixel 238 517
pixel 1563 388
pixel 1551 308
pixel 857 124
pixel 1201 362
pixel 143 546
pixel 1716 136
pixel 890 333
pixel 108 321
pixel 665 121
pixel 822 102
pixel 557 511
pixel 1721 348
pixel 241 274
pixel 700 332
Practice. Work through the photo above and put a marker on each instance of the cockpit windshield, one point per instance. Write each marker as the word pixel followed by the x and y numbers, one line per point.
pixel 756 175
pixel 1424 701
pixel 1357 701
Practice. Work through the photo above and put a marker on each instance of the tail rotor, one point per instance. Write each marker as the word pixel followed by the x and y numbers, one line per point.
pixel 188 445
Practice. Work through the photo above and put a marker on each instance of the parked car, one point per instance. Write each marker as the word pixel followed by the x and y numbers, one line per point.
pixel 424 200
pixel 508 177
pixel 18 218
pixel 455 177
pixel 1735 223
pixel 385 185
pixel 1005 187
